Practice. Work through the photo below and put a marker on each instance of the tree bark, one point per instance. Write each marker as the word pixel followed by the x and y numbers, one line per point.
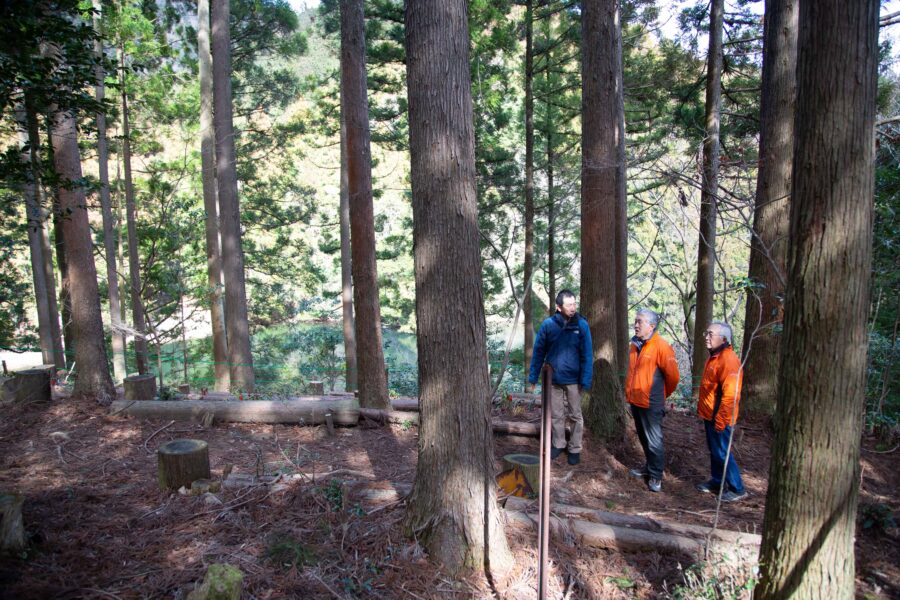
pixel 706 247
pixel 349 325
pixel 87 325
pixel 370 353
pixel 134 256
pixel 528 267
pixel 600 190
pixel 621 266
pixel 210 202
pixel 453 506
pixel 238 327
pixel 771 218
pixel 810 518
pixel 59 246
pixel 117 336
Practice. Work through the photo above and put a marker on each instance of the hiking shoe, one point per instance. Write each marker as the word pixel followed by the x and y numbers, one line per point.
pixel 574 458
pixel 731 496
pixel 654 485
pixel 639 473
pixel 555 452
pixel 708 487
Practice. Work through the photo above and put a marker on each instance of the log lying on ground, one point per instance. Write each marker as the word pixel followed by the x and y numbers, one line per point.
pixel 412 418
pixel 344 410
pixel 12 528
pixel 28 385
pixel 631 533
pixel 140 387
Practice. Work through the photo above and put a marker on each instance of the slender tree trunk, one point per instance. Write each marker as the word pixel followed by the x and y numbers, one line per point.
pixel 706 247
pixel 210 203
pixel 370 353
pixel 134 256
pixel 346 265
pixel 453 506
pixel 87 325
pixel 528 268
pixel 238 327
pixel 31 190
pixel 810 519
pixel 771 219
pixel 62 261
pixel 551 255
pixel 109 239
pixel 600 188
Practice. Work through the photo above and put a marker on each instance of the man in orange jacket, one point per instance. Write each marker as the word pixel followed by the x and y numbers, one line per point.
pixel 720 391
pixel 652 377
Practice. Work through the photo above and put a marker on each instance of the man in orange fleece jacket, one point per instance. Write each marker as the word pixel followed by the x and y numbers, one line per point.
pixel 720 391
pixel 652 377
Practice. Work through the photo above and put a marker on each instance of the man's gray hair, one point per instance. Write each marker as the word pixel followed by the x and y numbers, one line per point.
pixel 724 330
pixel 652 317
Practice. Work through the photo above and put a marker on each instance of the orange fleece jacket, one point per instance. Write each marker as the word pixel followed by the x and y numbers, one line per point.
pixel 656 354
pixel 722 377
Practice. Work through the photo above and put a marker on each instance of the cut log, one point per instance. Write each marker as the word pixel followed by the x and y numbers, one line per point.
pixel 316 388
pixel 405 403
pixel 140 387
pixel 529 465
pixel 531 430
pixel 344 410
pixel 373 493
pixel 181 462
pixel 12 528
pixel 29 385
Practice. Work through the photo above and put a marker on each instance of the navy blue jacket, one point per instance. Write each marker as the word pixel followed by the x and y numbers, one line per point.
pixel 567 347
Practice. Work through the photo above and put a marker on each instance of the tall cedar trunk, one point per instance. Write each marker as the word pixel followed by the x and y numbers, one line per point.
pixel 621 266
pixel 238 327
pixel 453 506
pixel 346 266
pixel 551 189
pixel 87 325
pixel 551 251
pixel 600 189
pixel 117 337
pixel 210 202
pixel 768 247
pixel 528 267
pixel 134 260
pixel 706 247
pixel 355 110
pixel 59 246
pixel 809 526
pixel 34 215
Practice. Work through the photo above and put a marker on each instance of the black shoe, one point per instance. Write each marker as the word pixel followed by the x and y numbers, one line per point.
pixel 708 487
pixel 574 458
pixel 555 452
pixel 654 485
pixel 639 473
pixel 731 496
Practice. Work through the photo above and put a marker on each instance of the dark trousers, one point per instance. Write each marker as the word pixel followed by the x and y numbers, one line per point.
pixel 718 445
pixel 648 423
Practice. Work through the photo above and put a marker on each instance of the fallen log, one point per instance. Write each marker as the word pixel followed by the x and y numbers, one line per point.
pixel 412 418
pixel 344 410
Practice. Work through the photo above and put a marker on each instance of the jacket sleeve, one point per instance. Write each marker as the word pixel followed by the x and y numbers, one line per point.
pixel 538 355
pixel 730 378
pixel 669 366
pixel 587 357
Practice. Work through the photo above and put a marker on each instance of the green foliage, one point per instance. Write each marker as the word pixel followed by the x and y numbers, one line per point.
pixel 876 517
pixel 703 581
pixel 288 552
pixel 15 329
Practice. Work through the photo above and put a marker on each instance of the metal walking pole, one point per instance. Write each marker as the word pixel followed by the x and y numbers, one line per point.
pixel 544 503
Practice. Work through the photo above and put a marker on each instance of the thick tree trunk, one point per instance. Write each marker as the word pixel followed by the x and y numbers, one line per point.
pixel 117 338
pixel 59 249
pixel 528 267
pixel 771 219
pixel 238 327
pixel 706 247
pixel 210 202
pixel 622 331
pixel 600 188
pixel 370 353
pixel 453 506
pixel 87 325
pixel 810 520
pixel 349 324
pixel 134 256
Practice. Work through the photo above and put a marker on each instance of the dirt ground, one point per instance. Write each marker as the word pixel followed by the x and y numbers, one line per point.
pixel 99 527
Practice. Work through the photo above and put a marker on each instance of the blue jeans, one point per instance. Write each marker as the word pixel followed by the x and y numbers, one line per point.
pixel 718 445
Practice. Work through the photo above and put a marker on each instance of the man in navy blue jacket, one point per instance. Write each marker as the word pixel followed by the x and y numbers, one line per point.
pixel 564 341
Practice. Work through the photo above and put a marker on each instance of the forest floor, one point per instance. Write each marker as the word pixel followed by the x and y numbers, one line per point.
pixel 99 527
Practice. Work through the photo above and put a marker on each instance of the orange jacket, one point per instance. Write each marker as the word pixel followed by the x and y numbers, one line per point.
pixel 656 354
pixel 721 384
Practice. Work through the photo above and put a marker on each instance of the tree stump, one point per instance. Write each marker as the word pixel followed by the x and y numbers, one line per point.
pixel 184 388
pixel 317 388
pixel 140 387
pixel 29 385
pixel 529 465
pixel 12 528
pixel 181 462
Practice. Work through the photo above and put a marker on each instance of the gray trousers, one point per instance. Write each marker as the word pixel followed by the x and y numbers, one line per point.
pixel 648 423
pixel 566 399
